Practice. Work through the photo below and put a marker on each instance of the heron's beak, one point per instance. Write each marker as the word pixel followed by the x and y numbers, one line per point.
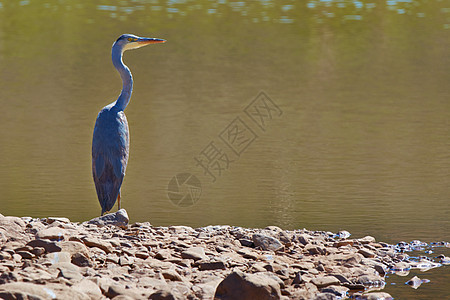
pixel 148 41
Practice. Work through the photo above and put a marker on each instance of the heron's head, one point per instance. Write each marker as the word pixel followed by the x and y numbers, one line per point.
pixel 130 41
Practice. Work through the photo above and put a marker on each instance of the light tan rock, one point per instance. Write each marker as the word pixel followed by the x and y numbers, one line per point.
pixel 98 243
pixel 52 233
pixel 88 287
pixel 74 247
pixel 194 253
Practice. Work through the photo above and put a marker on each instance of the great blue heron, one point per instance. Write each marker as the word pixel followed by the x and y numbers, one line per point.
pixel 111 140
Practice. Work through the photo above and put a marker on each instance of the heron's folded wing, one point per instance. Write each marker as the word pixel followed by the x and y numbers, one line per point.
pixel 99 164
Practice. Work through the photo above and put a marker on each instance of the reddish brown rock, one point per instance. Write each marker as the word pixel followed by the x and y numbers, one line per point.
pixel 239 285
pixel 47 245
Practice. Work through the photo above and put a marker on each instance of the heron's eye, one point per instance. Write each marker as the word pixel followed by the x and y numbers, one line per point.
pixel 132 40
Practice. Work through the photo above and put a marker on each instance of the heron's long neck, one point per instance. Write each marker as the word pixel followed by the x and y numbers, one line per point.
pixel 125 74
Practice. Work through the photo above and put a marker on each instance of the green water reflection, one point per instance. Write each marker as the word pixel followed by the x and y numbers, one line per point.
pixel 362 143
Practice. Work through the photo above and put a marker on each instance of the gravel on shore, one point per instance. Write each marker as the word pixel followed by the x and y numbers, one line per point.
pixel 53 258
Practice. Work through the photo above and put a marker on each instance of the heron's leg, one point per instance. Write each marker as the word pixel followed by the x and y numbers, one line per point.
pixel 118 200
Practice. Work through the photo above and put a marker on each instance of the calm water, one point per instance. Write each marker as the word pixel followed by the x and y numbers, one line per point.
pixel 329 115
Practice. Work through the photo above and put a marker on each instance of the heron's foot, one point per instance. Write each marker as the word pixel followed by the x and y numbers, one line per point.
pixel 106 212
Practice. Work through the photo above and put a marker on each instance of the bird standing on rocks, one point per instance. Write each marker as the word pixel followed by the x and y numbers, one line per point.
pixel 111 140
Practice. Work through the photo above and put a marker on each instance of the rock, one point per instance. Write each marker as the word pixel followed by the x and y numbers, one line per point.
pixel 47 245
pixel 325 296
pixel 164 295
pixel 38 251
pixel 338 291
pixel 304 239
pixel 123 297
pixel 314 249
pixel 275 229
pixel 142 255
pixel 444 259
pixel 6 277
pixel 57 257
pixel 351 259
pixel 376 296
pixel 206 289
pixel 119 219
pixel 424 265
pixel 258 267
pixel 3 237
pixel 171 275
pixel 27 290
pixel 89 288
pixel 297 279
pixel 343 243
pixel 366 253
pixel 401 267
pixel 52 233
pixel 125 261
pixel 194 253
pixel 25 254
pixel 211 265
pixel 80 260
pixel 163 254
pixel 115 290
pixel 325 281
pixel 181 229
pixel 51 220
pixel 415 282
pixel 343 234
pixel 246 243
pixel 5 255
pixel 370 280
pixel 285 238
pixel 74 247
pixel 238 285
pixel 101 244
pixel 380 269
pixel 303 266
pixel 68 271
pixel 154 283
pixel 12 228
pixel 247 253
pixel 367 240
pixel 267 243
pixel 342 279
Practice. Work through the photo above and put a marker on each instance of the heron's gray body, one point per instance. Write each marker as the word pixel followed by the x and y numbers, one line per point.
pixel 111 140
pixel 110 150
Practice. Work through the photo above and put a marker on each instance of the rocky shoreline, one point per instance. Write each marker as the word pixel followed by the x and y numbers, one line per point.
pixel 105 258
